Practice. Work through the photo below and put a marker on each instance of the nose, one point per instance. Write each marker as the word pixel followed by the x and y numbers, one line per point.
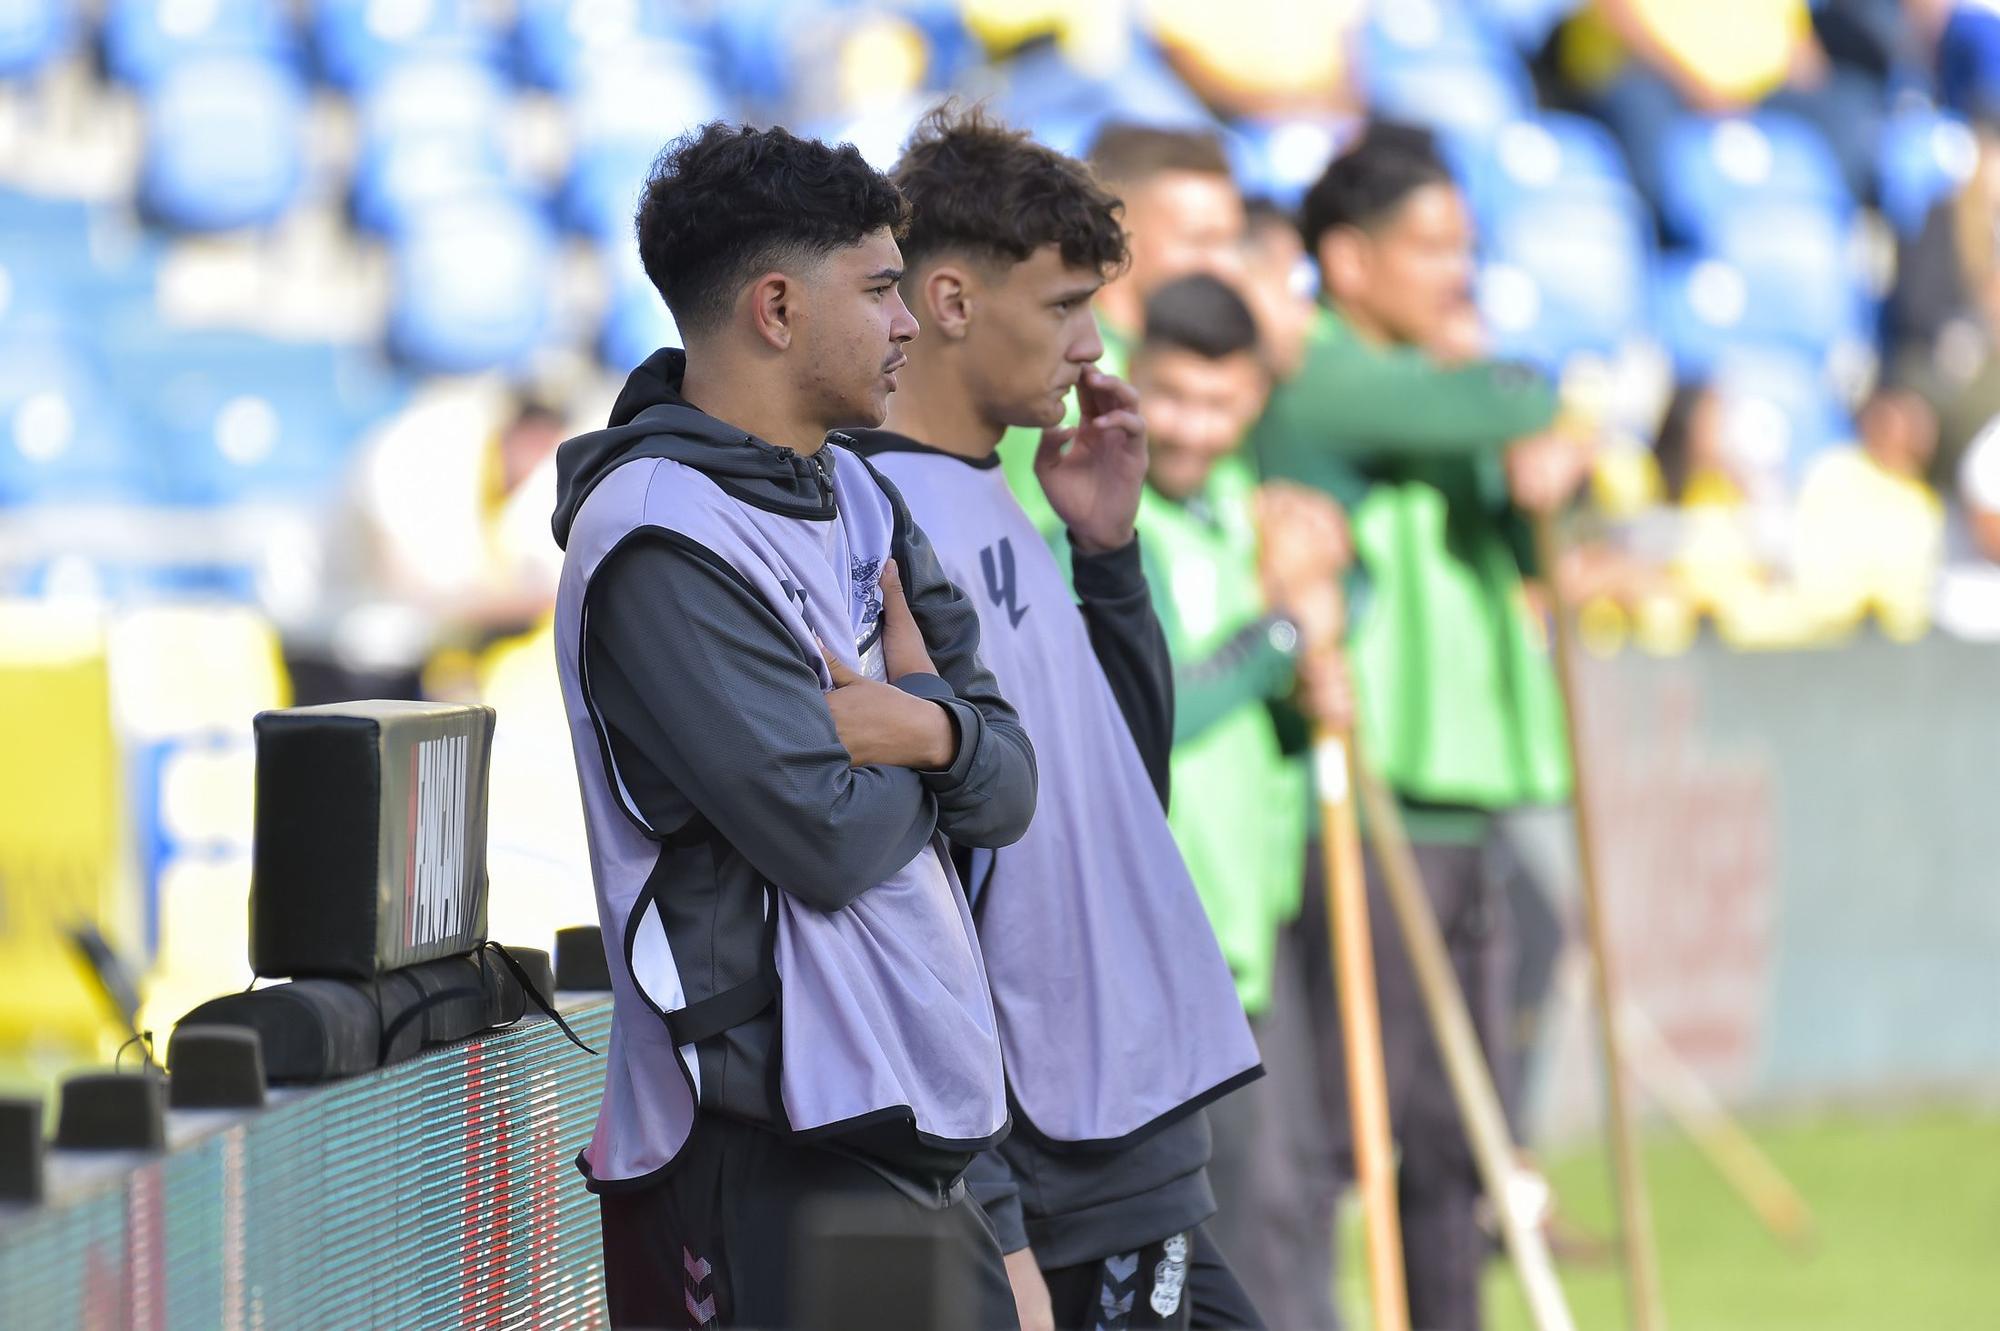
pixel 1090 347
pixel 903 326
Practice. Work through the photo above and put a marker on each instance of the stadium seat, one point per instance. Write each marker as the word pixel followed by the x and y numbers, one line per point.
pixel 430 131
pixel 621 114
pixel 1544 151
pixel 1428 62
pixel 557 41
pixel 1566 271
pixel 359 41
pixel 636 322
pixel 62 439
pixel 472 285
pixel 1780 410
pixel 144 40
pixel 224 144
pixel 1280 158
pixel 1065 108
pixel 34 32
pixel 1925 156
pixel 1716 168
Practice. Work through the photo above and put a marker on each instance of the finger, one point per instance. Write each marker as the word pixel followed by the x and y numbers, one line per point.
pixel 892 581
pixel 1112 392
pixel 842 676
pixel 1124 419
pixel 1049 451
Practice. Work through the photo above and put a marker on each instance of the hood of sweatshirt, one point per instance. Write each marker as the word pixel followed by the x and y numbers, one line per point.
pixel 651 419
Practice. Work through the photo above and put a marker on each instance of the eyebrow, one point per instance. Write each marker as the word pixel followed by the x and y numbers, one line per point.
pixel 893 274
pixel 1077 293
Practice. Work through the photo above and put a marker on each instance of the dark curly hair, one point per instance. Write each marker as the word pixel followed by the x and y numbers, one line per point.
pixel 723 202
pixel 1367 184
pixel 977 187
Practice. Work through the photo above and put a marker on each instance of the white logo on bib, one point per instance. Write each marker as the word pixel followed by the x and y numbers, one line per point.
pixel 1170 1276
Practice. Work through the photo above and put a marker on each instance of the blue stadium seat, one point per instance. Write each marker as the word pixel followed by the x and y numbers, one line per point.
pixel 1925 156
pixel 145 39
pixel 1065 108
pixel 472 280
pixel 1968 61
pixel 430 130
pixel 1780 409
pixel 1566 271
pixel 1715 168
pixel 557 41
pixel 636 322
pixel 34 32
pixel 1803 286
pixel 359 41
pixel 62 438
pixel 65 257
pixel 1279 159
pixel 224 144
pixel 1429 62
pixel 1544 151
pixel 1704 307
pixel 623 112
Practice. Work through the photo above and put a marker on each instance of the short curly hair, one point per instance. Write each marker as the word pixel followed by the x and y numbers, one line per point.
pixel 977 187
pixel 723 202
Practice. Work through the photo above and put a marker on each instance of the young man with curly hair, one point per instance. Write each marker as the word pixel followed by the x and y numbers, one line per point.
pixel 779 714
pixel 1117 1013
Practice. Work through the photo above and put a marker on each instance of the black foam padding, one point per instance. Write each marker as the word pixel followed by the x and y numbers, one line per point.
pixel 580 960
pixel 112 1111
pixel 370 850
pixel 21 1150
pixel 317 1030
pixel 215 1067
pixel 541 973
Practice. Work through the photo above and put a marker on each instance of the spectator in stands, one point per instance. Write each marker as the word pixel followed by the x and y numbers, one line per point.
pixel 1944 314
pixel 1438 463
pixel 1246 588
pixel 1276 281
pixel 1969 591
pixel 1869 532
pixel 439 543
pixel 1642 63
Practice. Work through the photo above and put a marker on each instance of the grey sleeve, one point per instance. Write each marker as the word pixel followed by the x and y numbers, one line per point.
pixel 1131 646
pixel 987 796
pixel 993 1185
pixel 709 702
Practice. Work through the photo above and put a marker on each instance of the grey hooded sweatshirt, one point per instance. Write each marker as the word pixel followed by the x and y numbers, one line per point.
pixel 789 943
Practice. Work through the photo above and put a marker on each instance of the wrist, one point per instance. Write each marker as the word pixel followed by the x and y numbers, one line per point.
pixel 1101 543
pixel 940 737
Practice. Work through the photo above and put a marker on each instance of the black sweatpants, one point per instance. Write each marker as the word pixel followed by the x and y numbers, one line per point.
pixel 746 1231
pixel 1181 1281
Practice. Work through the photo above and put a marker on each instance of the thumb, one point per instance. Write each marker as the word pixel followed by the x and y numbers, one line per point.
pixel 1049 451
pixel 842 676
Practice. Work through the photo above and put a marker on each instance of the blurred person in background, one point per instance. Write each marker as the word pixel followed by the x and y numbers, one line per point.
pixel 1183 214
pixel 1868 532
pixel 1968 603
pixel 1276 280
pixel 1117 1011
pixel 1639 64
pixel 1437 464
pixel 439 544
pixel 1246 585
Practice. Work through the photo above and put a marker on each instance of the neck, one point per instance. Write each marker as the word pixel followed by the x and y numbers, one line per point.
pixel 932 407
pixel 750 402
pixel 1366 326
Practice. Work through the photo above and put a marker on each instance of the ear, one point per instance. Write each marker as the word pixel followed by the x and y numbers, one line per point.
pixel 1343 259
pixel 773 299
pixel 947 298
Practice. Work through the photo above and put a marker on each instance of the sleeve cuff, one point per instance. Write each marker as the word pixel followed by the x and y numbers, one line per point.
pixel 965 720
pixel 1111 576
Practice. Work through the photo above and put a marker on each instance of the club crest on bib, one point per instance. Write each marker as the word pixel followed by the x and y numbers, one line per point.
pixel 1170 1276
pixel 864 579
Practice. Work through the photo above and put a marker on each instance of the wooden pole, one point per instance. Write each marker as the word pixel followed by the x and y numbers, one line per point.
pixel 1701 1117
pixel 1361 1030
pixel 1642 1278
pixel 1464 1062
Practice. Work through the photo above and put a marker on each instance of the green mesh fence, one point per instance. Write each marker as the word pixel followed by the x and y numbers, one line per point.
pixel 437 1193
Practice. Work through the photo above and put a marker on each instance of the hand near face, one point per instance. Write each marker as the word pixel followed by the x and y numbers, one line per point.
pixel 1093 472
